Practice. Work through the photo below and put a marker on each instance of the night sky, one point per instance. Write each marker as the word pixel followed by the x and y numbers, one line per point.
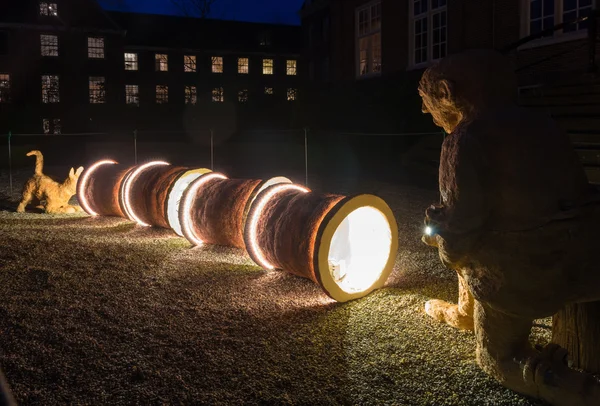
pixel 264 11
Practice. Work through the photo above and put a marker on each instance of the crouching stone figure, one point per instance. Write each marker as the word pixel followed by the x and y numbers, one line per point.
pixel 518 222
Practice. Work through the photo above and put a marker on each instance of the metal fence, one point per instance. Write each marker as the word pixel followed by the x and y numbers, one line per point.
pixel 300 154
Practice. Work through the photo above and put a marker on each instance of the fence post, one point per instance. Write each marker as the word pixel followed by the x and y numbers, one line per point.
pixel 10 165
pixel 135 132
pixel 212 150
pixel 305 156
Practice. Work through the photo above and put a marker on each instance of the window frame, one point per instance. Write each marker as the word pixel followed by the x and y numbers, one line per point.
pixel 265 66
pixel 47 9
pixel 5 90
pixel 46 95
pixel 246 66
pixel 371 32
pixel 133 62
pixel 217 64
pixel 102 49
pixel 164 97
pixel 159 59
pixel 190 64
pixel 190 93
pixel 134 97
pixel 218 94
pixel 49 47
pixel 293 69
pixel 411 33
pixel 97 96
pixel 559 35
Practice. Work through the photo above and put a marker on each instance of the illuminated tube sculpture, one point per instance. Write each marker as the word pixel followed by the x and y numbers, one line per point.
pixel 347 245
pixel 151 193
pixel 98 188
pixel 214 208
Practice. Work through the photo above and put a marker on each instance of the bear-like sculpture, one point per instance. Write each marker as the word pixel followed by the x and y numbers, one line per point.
pixel 518 222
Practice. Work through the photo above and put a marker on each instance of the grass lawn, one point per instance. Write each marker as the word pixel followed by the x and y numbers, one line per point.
pixel 99 311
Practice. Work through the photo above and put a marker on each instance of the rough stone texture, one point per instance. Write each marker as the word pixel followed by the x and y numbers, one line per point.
pixel 287 230
pixel 150 193
pixel 516 221
pixel 103 188
pixel 219 210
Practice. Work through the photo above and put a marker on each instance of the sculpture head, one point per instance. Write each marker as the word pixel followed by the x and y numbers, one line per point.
pixel 460 86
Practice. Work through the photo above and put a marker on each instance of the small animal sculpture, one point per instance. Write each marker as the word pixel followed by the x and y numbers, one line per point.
pixel 518 222
pixel 47 194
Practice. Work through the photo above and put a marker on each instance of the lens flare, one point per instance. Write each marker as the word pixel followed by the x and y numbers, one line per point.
pixel 83 183
pixel 428 231
pixel 127 190
pixel 260 205
pixel 186 221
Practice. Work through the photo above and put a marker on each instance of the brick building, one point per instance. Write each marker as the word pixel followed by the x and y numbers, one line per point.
pixel 371 53
pixel 69 66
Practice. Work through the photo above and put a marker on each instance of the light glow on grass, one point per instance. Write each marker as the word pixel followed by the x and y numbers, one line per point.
pixel 260 205
pixel 360 249
pixel 186 221
pixel 127 191
pixel 83 183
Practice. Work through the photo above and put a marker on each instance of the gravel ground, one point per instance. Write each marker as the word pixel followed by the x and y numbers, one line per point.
pixel 99 311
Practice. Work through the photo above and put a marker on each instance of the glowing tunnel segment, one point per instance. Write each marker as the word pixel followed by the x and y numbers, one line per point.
pixel 186 205
pixel 347 245
pixel 126 190
pixel 176 195
pixel 356 247
pixel 252 245
pixel 83 183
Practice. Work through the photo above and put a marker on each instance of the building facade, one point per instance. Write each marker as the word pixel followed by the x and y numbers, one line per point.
pixel 67 66
pixel 371 53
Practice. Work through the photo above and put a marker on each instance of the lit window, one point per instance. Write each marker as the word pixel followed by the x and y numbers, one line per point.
pixel 269 90
pixel 48 9
pixel 49 44
pixel 429 30
pixel 243 65
pixel 132 94
pixel 95 48
pixel 292 94
pixel 51 126
pixel 217 95
pixel 190 95
pixel 97 90
pixel 291 67
pixel 572 10
pixel 368 38
pixel 243 96
pixel 162 94
pixel 131 61
pixel 50 89
pixel 217 64
pixel 162 62
pixel 189 63
pixel 267 66
pixel 4 88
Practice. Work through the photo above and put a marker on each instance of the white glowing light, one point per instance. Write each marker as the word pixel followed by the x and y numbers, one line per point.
pixel 260 205
pixel 428 230
pixel 83 183
pixel 127 191
pixel 360 249
pixel 186 221
pixel 174 200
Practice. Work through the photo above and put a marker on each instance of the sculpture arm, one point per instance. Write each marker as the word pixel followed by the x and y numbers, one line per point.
pixel 458 221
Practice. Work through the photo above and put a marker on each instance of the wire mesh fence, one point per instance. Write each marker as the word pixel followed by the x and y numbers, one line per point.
pixel 301 154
